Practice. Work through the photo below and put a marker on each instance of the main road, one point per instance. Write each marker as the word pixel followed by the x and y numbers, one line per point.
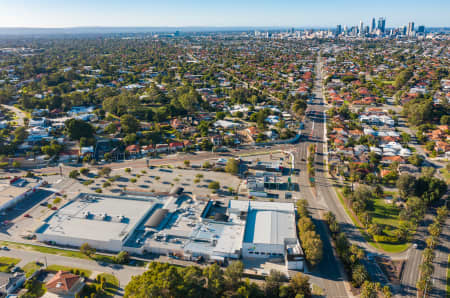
pixel 323 197
pixel 329 272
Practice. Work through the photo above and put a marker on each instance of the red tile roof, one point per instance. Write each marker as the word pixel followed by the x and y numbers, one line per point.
pixel 62 281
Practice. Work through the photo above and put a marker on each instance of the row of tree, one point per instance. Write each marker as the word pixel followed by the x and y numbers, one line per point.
pixel 424 283
pixel 350 254
pixel 311 243
pixel 165 280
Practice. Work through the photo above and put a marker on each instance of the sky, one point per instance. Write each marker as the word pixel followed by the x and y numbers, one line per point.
pixel 220 13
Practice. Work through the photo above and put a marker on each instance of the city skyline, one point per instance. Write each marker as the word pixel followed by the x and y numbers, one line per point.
pixel 177 13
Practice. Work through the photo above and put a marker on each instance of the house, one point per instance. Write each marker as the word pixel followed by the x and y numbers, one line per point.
pixel 175 146
pixel 360 149
pixel 133 149
pixel 442 147
pixel 9 283
pixel 408 169
pixel 148 149
pixel 162 148
pixel 225 124
pixel 67 155
pixel 188 144
pixel 65 284
pixel 216 140
pixel 391 159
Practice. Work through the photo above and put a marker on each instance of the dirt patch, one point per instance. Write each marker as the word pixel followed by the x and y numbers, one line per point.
pixel 392 269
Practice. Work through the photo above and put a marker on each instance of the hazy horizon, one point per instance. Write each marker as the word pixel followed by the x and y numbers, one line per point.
pixel 53 14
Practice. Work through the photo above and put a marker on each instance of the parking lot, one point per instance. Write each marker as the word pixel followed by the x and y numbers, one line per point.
pixel 26 215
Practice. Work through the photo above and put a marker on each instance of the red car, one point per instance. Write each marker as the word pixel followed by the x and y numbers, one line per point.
pixel 27 215
pixel 54 208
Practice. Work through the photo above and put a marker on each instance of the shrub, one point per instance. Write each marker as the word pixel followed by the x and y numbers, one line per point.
pixel 214 185
pixel 74 174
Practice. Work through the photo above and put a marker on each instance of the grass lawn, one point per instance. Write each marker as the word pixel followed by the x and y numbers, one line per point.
pixel 388 215
pixel 35 288
pixel 388 82
pixel 47 250
pixel 85 272
pixel 30 268
pixel 60 252
pixel 446 174
pixel 384 214
pixel 111 283
pixel 6 264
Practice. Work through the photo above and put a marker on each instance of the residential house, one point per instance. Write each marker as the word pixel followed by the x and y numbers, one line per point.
pixel 175 146
pixel 216 140
pixel 65 284
pixel 162 148
pixel 133 150
pixel 9 283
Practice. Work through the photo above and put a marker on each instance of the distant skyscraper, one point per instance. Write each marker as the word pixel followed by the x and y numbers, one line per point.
pixel 421 29
pixel 338 30
pixel 410 28
pixel 361 28
pixel 382 24
pixel 372 29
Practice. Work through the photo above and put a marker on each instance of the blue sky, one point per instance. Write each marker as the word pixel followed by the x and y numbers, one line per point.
pixel 73 13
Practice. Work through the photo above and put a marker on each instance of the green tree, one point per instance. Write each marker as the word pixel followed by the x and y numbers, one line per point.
pixel 233 274
pixel 273 283
pixel 359 275
pixel 86 249
pixel 129 124
pixel 122 257
pixel 105 171
pixel 76 129
pixel 416 160
pixel 20 134
pixel 300 285
pixel 370 289
pixel 214 185
pixel 74 174
pixel 406 184
pixel 232 166
pixel 215 279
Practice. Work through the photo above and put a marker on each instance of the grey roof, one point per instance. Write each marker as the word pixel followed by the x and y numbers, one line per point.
pixel 157 217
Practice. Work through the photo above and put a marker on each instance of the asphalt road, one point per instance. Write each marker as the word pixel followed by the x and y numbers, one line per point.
pixel 328 274
pixel 440 263
pixel 326 198
pixel 19 114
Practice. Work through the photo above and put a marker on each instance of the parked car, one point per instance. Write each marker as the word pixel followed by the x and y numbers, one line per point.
pixel 27 215
pixel 54 208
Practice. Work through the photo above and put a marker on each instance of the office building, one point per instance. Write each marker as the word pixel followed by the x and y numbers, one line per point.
pixel 338 30
pixel 373 27
pixel 382 24
pixel 410 28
